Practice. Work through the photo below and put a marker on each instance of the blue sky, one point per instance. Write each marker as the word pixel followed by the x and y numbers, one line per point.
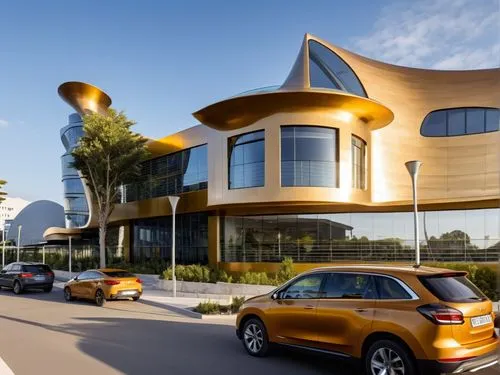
pixel 162 60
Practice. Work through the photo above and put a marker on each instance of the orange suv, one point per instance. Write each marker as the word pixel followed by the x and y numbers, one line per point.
pixel 396 320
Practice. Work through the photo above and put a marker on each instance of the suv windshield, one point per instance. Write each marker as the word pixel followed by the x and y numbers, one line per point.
pixel 452 288
pixel 36 268
pixel 119 274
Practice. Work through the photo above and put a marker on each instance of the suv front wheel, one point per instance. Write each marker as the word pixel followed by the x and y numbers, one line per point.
pixel 254 337
pixel 388 357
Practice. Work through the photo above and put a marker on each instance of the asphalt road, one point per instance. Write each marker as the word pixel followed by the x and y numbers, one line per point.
pixel 42 334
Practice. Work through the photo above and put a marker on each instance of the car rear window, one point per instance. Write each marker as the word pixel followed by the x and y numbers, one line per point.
pixel 119 274
pixel 36 268
pixel 452 288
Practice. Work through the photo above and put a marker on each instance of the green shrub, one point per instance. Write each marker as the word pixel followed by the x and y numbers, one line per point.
pixel 208 308
pixel 221 276
pixel 236 303
pixel 254 278
pixel 286 271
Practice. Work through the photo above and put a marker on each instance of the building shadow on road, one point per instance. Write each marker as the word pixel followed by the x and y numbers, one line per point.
pixel 142 346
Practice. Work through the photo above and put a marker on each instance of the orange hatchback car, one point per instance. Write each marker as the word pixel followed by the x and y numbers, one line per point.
pixel 103 284
pixel 396 320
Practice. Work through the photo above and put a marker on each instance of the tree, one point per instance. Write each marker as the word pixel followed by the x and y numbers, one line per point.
pixel 108 155
pixel 2 193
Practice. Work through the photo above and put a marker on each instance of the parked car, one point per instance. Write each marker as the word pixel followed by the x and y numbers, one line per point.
pixel 21 276
pixel 103 284
pixel 394 319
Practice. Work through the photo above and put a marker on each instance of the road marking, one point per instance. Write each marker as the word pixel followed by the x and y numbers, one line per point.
pixel 4 369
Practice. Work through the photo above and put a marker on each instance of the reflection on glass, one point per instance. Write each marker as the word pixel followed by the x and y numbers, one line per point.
pixel 73 186
pixel 471 235
pixel 460 121
pixel 246 160
pixel 328 70
pixel 308 156
pixel 152 238
pixel 175 173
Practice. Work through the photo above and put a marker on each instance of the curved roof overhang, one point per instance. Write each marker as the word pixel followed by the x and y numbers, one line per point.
pixel 238 112
pixel 84 97
pixel 61 234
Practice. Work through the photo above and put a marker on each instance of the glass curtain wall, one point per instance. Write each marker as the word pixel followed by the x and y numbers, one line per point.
pixel 246 160
pixel 180 172
pixel 152 238
pixel 463 235
pixel 309 156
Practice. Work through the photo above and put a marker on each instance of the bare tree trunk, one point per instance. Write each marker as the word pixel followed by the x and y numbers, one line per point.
pixel 102 244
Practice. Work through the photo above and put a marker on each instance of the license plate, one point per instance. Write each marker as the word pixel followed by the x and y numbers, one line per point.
pixel 128 292
pixel 39 278
pixel 479 321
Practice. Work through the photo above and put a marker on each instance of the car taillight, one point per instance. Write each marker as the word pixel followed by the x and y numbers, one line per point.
pixel 25 275
pixel 111 282
pixel 441 314
pixel 50 274
pixel 138 281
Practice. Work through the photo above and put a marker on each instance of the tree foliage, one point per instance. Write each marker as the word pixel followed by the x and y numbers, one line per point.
pixel 108 155
pixel 2 193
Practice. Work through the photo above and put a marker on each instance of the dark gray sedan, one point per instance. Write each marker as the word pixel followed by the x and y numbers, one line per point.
pixel 22 276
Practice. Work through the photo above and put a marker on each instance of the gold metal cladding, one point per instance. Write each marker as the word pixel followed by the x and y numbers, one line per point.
pixel 59 234
pixel 238 112
pixel 84 97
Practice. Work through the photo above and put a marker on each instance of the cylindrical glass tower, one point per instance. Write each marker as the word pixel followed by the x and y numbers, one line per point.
pixel 76 208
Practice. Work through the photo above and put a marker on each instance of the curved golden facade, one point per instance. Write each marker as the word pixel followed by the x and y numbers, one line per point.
pixel 461 172
pixel 84 97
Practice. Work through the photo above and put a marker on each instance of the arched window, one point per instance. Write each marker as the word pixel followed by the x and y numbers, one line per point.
pixel 460 121
pixel 327 70
pixel 246 160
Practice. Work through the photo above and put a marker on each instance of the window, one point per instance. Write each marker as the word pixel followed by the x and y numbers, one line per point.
pixel 119 274
pixel 307 287
pixel 246 160
pixel 349 285
pixel 36 268
pixel 452 288
pixel 152 238
pixel 460 121
pixel 308 156
pixel 390 289
pixel 16 268
pixel 175 173
pixel 358 154
pixel 84 276
pixel 328 70
pixel 73 186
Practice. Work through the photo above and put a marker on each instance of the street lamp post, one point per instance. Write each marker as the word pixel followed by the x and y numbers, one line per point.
pixel 19 227
pixel 69 251
pixel 3 247
pixel 413 167
pixel 173 203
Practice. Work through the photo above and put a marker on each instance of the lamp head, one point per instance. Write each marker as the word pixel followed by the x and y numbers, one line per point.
pixel 413 167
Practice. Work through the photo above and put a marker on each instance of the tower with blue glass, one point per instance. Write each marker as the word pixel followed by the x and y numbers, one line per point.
pixel 83 98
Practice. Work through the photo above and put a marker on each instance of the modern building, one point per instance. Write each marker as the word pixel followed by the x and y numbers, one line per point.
pixel 33 220
pixel 315 169
pixel 9 208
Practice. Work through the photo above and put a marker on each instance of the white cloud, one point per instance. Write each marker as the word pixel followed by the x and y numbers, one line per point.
pixel 439 34
pixel 3 123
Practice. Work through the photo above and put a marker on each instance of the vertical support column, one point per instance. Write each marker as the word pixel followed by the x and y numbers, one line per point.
pixel 214 241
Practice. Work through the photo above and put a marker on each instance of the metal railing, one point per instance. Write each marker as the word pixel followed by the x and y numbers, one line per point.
pixel 364 251
pixel 57 257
